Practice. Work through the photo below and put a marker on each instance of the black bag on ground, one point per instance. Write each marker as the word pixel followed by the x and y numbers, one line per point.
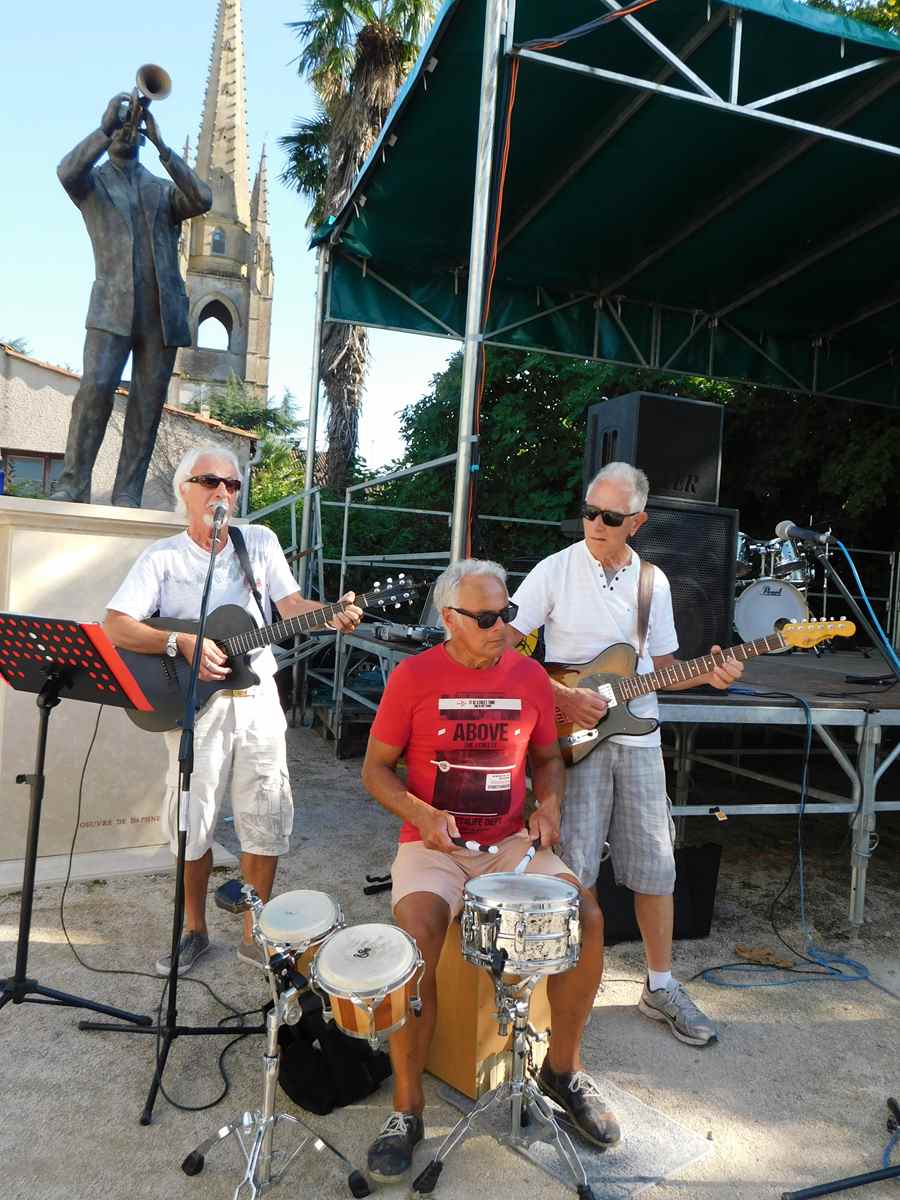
pixel 696 877
pixel 321 1068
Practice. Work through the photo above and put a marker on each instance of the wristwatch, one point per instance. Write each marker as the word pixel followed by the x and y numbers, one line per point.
pixel 172 645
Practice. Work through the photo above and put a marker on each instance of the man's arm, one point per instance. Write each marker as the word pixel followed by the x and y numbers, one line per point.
pixel 721 676
pixel 381 781
pixel 192 196
pixel 129 634
pixel 74 172
pixel 548 780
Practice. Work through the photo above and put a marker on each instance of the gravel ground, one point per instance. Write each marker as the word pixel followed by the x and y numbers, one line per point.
pixel 792 1094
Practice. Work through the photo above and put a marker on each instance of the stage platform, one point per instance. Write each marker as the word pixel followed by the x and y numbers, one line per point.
pixel 870 711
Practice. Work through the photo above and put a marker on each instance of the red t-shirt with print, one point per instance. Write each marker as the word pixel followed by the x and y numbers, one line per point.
pixel 465 735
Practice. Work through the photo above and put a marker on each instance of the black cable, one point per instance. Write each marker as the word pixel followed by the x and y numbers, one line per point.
pixel 233 1013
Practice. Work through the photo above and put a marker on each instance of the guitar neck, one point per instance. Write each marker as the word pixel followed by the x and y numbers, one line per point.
pixel 680 672
pixel 267 635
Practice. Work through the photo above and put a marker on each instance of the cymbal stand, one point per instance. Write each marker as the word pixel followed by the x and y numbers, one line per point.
pixel 531 1117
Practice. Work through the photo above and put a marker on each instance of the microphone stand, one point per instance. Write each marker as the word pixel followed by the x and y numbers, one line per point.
pixel 820 553
pixel 169 1030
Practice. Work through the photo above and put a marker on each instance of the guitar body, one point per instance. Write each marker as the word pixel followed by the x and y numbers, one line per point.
pixel 164 681
pixel 615 663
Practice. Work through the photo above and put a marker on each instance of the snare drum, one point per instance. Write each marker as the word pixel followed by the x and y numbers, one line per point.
pixel 371 975
pixel 535 919
pixel 298 920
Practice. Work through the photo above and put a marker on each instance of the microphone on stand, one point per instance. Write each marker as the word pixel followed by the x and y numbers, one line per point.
pixel 220 512
pixel 787 529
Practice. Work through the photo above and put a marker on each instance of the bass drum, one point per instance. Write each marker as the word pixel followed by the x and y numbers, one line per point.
pixel 765 605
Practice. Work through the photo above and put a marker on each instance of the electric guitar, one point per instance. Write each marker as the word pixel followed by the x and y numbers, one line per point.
pixel 164 680
pixel 611 675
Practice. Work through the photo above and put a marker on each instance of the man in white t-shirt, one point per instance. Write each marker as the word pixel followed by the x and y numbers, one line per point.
pixel 239 744
pixel 586 598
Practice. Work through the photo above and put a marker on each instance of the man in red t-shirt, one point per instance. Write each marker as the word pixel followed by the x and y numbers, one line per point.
pixel 465 715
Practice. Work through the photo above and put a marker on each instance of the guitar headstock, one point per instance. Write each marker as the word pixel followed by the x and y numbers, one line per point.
pixel 393 593
pixel 806 634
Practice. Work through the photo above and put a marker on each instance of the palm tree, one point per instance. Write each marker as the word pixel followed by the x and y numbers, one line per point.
pixel 356 54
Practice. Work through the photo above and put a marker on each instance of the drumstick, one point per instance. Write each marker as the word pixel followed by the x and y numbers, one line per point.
pixel 464 845
pixel 527 857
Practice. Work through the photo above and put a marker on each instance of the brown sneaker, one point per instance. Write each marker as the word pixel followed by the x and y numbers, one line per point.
pixel 580 1097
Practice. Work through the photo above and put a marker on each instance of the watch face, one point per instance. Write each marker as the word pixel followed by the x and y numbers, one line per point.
pixel 171 648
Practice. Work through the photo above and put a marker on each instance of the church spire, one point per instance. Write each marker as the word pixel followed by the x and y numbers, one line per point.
pixel 259 202
pixel 222 154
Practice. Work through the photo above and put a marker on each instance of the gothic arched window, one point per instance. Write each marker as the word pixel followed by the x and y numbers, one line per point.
pixel 218 241
pixel 214 327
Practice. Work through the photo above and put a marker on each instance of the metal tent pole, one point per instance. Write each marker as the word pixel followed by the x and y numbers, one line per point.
pixel 490 69
pixel 322 264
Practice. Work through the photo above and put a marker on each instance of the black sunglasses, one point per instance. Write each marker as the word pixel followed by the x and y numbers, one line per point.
pixel 613 519
pixel 212 481
pixel 488 619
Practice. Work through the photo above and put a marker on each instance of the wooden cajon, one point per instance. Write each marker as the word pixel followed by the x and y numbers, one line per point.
pixel 467 1051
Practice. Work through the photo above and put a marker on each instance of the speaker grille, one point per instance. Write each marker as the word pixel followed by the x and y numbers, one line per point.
pixel 695 545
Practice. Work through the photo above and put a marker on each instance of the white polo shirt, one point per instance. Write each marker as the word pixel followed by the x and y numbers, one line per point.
pixel 583 613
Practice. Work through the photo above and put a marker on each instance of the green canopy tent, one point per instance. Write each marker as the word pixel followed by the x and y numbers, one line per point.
pixel 700 187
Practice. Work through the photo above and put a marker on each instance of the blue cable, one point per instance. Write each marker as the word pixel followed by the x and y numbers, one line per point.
pixel 889 651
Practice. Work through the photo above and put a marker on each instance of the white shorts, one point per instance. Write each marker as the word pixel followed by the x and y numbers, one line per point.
pixel 239 752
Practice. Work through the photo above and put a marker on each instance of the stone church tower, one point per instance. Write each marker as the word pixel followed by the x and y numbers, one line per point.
pixel 226 254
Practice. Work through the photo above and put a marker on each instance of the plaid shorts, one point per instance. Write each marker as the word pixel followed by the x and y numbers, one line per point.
pixel 618 794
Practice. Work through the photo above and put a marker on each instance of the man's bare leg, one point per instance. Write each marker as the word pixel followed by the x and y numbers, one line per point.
pixel 655 917
pixel 196 885
pixel 259 871
pixel 425 917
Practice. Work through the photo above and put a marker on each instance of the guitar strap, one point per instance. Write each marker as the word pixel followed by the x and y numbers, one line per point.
pixel 240 549
pixel 645 598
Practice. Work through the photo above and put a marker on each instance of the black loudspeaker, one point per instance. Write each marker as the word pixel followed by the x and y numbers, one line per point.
pixel 696 879
pixel 695 546
pixel 677 442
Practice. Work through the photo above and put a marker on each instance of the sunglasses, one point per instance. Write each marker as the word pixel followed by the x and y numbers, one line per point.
pixel 212 481
pixel 488 619
pixel 613 519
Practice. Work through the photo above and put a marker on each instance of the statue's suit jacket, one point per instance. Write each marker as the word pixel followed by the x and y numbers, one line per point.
pixel 102 196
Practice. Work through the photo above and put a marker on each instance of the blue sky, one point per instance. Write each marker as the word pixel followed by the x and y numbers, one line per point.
pixel 61 63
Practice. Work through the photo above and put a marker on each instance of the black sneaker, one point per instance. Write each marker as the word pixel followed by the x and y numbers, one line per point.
pixel 578 1094
pixel 391 1154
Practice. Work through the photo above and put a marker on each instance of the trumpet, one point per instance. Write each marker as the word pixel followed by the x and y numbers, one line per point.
pixel 153 83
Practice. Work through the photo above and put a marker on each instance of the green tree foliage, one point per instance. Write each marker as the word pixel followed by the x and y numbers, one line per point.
pixel 883 13
pixel 235 404
pixel 19 344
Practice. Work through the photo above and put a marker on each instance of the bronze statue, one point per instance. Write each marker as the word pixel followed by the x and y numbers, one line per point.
pixel 138 304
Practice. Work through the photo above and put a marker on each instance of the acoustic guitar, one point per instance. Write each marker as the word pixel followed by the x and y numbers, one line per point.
pixel 164 681
pixel 611 675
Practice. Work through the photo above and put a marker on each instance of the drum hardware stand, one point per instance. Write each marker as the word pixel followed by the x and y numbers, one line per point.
pixel 855 1181
pixel 255 1131
pixel 520 1091
pixel 821 555
pixel 168 1030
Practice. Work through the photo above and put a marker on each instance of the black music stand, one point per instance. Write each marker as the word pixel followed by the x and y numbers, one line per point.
pixel 57 659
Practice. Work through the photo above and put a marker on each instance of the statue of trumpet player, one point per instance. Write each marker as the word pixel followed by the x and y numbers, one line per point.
pixel 138 304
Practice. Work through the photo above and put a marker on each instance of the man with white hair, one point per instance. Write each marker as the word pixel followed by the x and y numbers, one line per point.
pixel 586 598
pixel 465 715
pixel 239 743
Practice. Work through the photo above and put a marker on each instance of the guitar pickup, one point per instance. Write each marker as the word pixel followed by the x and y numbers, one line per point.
pixel 578 739
pixel 605 692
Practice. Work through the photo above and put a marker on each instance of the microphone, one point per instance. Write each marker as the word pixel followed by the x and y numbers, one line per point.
pixel 220 512
pixel 787 529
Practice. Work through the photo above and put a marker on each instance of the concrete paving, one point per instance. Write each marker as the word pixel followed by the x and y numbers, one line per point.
pixel 791 1095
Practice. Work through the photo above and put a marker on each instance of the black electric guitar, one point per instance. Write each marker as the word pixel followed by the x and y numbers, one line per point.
pixel 164 681
pixel 611 675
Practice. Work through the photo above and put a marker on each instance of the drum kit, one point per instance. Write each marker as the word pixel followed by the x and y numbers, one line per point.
pixel 772 579
pixel 518 927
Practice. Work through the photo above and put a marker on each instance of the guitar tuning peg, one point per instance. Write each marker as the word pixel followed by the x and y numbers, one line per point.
pixel 376 585
pixel 843 618
pixel 390 579
pixel 396 606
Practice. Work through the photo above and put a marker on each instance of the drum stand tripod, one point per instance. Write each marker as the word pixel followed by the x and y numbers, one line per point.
pixel 255 1131
pixel 525 1099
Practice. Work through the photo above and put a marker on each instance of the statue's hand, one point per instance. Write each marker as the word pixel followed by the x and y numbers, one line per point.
pixel 149 126
pixel 112 117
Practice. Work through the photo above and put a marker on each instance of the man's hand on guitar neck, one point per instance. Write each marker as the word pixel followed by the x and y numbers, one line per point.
pixel 580 706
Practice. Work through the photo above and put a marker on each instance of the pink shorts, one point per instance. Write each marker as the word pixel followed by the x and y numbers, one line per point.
pixel 418 869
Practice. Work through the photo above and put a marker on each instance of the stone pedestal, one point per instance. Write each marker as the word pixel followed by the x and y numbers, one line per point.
pixel 67 560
